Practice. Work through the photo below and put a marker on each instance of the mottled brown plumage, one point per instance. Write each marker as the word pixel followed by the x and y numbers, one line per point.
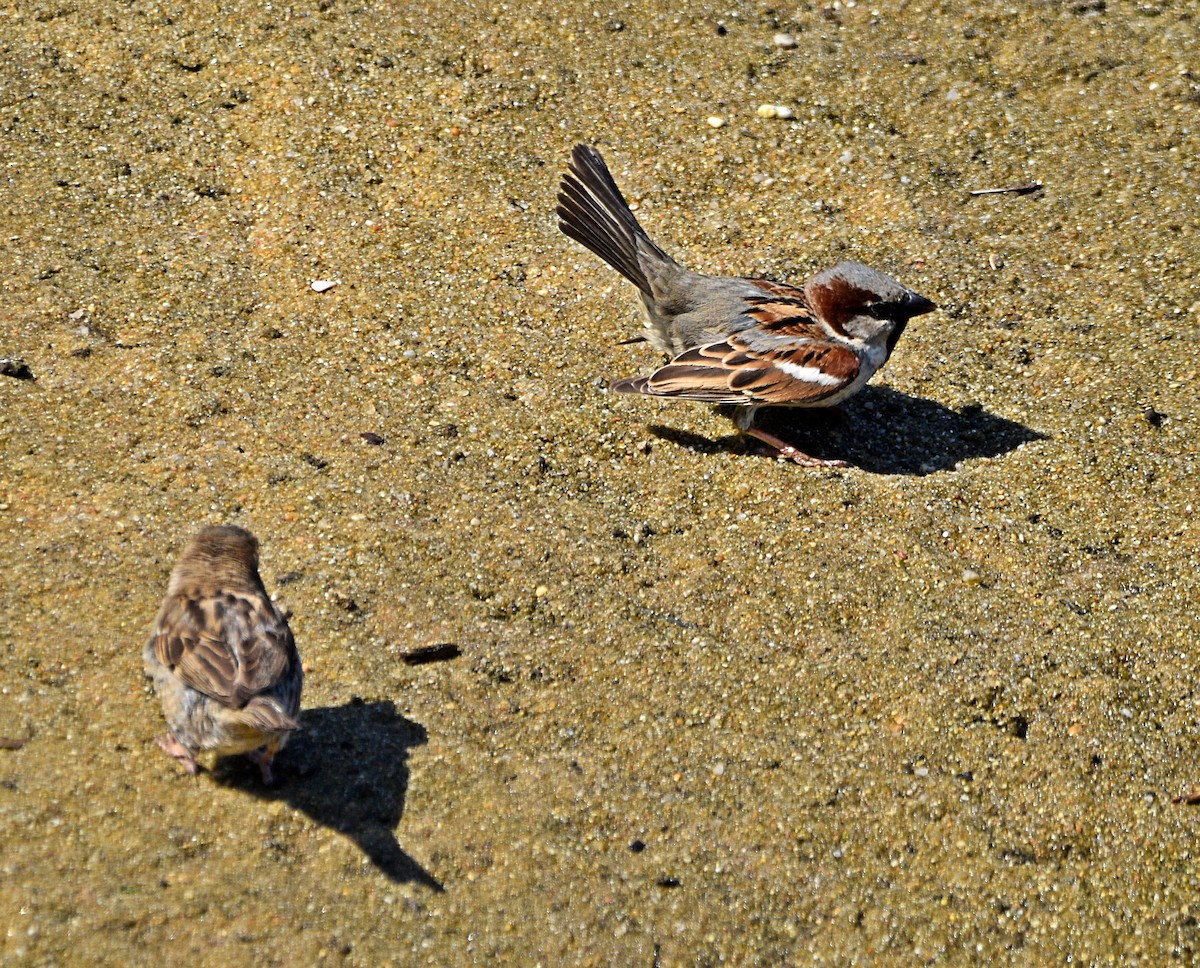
pixel 222 657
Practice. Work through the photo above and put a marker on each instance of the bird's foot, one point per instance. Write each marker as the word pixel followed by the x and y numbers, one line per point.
pixel 785 451
pixel 172 747
pixel 262 758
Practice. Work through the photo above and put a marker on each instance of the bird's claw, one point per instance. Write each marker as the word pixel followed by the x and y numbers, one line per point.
pixel 172 747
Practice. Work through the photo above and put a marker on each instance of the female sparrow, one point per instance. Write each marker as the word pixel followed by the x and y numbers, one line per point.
pixel 222 657
pixel 749 343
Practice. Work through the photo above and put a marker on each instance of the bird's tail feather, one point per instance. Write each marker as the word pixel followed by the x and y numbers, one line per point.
pixel 592 211
pixel 261 715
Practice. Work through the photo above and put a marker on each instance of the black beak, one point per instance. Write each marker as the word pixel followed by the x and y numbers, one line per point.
pixel 917 305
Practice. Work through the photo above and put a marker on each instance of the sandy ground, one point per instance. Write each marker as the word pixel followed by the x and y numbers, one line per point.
pixel 710 708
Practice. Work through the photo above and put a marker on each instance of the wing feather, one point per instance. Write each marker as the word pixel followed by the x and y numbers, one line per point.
pixel 730 372
pixel 230 647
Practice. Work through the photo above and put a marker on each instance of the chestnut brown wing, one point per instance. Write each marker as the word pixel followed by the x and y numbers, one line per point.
pixel 797 373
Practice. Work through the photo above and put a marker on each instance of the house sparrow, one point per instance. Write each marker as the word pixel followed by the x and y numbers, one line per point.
pixel 748 343
pixel 222 657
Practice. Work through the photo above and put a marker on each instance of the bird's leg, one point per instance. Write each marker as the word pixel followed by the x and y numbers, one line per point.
pixel 172 747
pixel 262 758
pixel 743 419
pixel 787 451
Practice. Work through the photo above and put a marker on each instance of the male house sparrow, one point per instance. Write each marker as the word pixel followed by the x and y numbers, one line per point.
pixel 749 343
pixel 221 655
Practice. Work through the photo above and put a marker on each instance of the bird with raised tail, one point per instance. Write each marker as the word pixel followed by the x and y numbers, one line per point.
pixel 222 657
pixel 746 343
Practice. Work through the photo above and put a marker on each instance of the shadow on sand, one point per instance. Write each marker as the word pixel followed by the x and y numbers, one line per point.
pixel 881 430
pixel 348 770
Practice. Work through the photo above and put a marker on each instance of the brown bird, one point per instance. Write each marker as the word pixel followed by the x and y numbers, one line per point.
pixel 747 343
pixel 222 657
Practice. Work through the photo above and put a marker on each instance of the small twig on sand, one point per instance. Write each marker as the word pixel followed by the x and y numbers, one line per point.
pixel 1010 190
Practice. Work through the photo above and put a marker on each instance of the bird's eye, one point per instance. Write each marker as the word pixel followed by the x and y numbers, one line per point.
pixel 875 310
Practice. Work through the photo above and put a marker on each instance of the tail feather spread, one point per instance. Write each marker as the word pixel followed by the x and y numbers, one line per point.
pixel 593 212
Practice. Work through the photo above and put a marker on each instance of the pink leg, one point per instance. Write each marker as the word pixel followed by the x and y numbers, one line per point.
pixel 263 758
pixel 788 452
pixel 172 747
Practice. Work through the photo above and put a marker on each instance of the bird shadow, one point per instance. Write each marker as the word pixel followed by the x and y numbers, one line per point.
pixel 347 769
pixel 882 431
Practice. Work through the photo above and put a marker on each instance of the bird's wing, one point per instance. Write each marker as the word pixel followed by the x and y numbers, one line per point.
pixel 230 647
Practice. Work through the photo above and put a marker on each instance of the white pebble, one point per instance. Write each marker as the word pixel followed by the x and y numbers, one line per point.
pixel 715 121
pixel 322 285
pixel 774 111
pixel 785 40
